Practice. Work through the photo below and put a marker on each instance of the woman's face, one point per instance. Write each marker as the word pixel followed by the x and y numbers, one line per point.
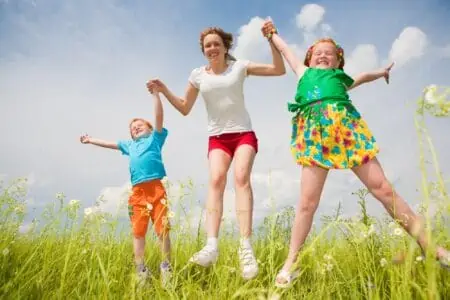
pixel 213 48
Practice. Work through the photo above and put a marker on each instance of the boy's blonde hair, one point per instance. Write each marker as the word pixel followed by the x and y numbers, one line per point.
pixel 149 125
pixel 339 52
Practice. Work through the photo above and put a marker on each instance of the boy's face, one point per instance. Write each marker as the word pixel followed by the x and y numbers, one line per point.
pixel 139 128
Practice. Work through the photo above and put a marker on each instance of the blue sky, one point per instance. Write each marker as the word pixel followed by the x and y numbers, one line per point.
pixel 70 67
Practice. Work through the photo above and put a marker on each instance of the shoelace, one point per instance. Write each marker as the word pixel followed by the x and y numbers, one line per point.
pixel 247 257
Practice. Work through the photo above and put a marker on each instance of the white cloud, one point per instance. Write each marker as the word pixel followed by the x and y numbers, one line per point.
pixel 363 58
pixel 113 199
pixel 89 73
pixel 310 17
pixel 326 29
pixel 250 44
pixel 25 227
pixel 3 177
pixel 410 44
pixel 445 51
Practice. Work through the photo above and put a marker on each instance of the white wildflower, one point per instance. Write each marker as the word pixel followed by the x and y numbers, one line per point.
pixel 5 252
pixel 171 214
pixel 275 296
pixel 329 267
pixel 327 257
pixel 371 229
pixel 163 201
pixel 430 94
pixel 73 203
pixel 88 211
pixel 383 262
pixel 398 231
pixel 149 206
pixel 419 258
pixel 19 209
pixel 392 225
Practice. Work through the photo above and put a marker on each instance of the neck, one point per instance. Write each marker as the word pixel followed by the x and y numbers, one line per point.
pixel 218 66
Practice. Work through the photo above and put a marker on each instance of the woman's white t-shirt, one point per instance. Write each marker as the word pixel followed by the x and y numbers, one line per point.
pixel 224 97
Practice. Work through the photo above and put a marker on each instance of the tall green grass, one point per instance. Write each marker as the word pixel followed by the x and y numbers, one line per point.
pixel 66 254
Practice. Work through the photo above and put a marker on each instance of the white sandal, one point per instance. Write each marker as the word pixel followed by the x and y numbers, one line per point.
pixel 287 278
pixel 444 261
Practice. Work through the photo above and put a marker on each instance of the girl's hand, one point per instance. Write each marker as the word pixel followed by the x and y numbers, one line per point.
pixel 85 139
pixel 386 72
pixel 156 85
pixel 267 27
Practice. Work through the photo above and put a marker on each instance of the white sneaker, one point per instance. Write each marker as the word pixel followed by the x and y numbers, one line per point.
pixel 205 257
pixel 142 274
pixel 166 275
pixel 249 265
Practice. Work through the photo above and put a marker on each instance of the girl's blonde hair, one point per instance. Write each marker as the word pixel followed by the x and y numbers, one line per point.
pixel 227 39
pixel 339 52
pixel 149 125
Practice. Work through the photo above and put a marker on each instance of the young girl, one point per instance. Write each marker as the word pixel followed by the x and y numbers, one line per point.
pixel 329 133
pixel 231 136
pixel 147 200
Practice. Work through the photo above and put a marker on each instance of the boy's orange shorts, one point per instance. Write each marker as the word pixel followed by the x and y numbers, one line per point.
pixel 148 200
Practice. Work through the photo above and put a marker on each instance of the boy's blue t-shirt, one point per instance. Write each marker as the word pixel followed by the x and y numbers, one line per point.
pixel 145 156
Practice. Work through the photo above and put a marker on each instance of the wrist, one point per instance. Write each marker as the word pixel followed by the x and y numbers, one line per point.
pixel 270 35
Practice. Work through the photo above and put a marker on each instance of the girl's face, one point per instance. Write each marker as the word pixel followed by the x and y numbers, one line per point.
pixel 214 48
pixel 324 56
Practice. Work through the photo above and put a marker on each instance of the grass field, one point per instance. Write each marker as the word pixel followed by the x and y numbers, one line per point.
pixel 67 254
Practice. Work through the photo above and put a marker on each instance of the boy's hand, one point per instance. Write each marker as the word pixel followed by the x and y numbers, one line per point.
pixel 85 139
pixel 386 72
pixel 156 86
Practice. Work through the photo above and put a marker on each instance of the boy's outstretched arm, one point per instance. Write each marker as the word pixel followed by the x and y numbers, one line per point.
pixel 159 112
pixel 371 76
pixel 86 139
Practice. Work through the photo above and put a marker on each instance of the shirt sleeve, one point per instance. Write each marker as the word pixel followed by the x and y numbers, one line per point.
pixel 124 147
pixel 244 63
pixel 194 78
pixel 160 137
pixel 347 80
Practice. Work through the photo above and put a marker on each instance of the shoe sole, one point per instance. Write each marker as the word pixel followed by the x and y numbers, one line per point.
pixel 203 265
pixel 250 277
pixel 289 283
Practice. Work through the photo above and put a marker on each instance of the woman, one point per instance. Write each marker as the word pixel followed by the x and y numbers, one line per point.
pixel 231 136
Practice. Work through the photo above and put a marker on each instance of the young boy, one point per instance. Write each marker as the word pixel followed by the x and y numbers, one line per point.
pixel 148 195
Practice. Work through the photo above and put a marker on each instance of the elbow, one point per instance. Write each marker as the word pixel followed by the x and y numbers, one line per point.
pixel 185 112
pixel 279 71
